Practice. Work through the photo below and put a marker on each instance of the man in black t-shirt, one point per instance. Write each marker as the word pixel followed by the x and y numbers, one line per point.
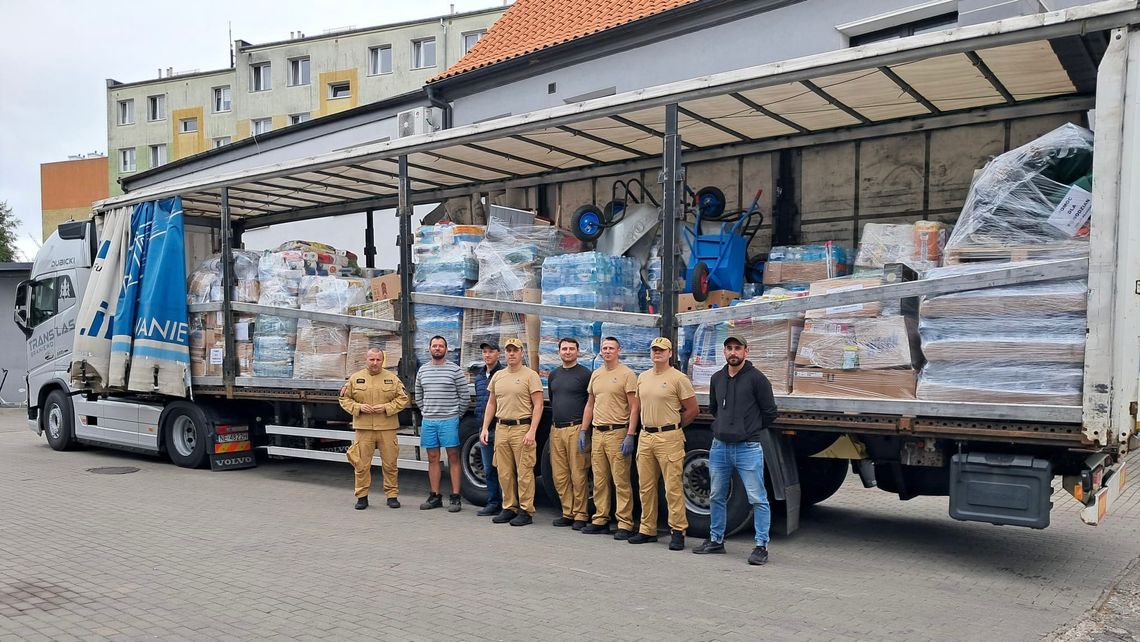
pixel 568 461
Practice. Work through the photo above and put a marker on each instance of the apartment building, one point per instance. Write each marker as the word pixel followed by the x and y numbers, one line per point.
pixel 278 84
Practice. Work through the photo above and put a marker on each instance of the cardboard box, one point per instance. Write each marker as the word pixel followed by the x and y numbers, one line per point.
pixel 716 299
pixel 483 325
pixel 361 340
pixel 897 383
pixel 863 344
pixel 778 373
pixel 845 284
pixel 777 272
pixel 385 288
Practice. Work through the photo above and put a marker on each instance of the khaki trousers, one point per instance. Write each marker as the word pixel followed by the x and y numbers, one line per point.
pixel 661 454
pixel 570 471
pixel 367 443
pixel 611 467
pixel 515 463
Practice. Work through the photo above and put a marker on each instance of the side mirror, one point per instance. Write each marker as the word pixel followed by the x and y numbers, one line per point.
pixel 23 304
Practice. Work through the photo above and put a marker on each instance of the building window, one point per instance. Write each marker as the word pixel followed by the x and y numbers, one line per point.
pixel 222 140
pixel 297 119
pixel 188 125
pixel 262 125
pixel 126 112
pixel 299 71
pixel 472 37
pixel 380 60
pixel 156 107
pixel 937 23
pixel 157 155
pixel 423 53
pixel 222 100
pixel 340 89
pixel 127 159
pixel 260 79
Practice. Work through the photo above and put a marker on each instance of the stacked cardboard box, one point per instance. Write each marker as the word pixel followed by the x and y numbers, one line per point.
pixel 771 349
pixel 361 340
pixel 802 264
pixel 208 345
pixel 870 357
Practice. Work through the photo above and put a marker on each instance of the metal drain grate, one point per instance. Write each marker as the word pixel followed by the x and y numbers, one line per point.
pixel 113 470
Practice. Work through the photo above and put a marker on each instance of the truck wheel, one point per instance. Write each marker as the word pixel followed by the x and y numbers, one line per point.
pixel 820 478
pixel 186 434
pixel 59 421
pixel 548 476
pixel 473 479
pixel 696 485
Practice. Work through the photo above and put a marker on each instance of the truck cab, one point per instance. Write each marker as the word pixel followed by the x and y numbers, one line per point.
pixel 46 308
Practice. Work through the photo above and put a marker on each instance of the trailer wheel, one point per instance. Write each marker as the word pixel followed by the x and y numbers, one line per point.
pixel 820 478
pixel 473 480
pixel 696 486
pixel 59 421
pixel 587 223
pixel 186 434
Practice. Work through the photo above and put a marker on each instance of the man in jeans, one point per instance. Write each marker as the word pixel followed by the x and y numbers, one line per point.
pixel 740 399
pixel 491 365
pixel 442 397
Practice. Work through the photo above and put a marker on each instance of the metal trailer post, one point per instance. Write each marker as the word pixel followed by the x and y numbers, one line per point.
pixel 673 178
pixel 404 212
pixel 229 361
pixel 369 240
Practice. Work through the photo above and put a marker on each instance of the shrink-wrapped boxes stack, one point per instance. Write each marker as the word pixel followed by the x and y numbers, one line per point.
pixel 772 342
pixel 321 349
pixel 798 265
pixel 445 263
pixel 207 342
pixel 919 245
pixel 361 340
pixel 863 350
pixel 275 337
pixel 1021 343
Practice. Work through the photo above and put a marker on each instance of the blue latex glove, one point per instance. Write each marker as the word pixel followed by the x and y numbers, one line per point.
pixel 581 442
pixel 627 446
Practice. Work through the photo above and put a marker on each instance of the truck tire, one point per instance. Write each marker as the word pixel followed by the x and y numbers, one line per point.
pixel 59 421
pixel 820 478
pixel 186 434
pixel 696 487
pixel 473 479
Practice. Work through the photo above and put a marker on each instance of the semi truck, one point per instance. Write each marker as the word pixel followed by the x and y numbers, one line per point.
pixel 886 131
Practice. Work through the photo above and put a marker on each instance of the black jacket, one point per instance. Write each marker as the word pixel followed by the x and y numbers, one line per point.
pixel 743 405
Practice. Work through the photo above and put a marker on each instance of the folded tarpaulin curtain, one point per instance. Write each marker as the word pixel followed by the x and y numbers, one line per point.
pixel 91 359
pixel 150 337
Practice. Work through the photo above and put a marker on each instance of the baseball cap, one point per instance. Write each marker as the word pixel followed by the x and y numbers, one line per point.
pixel 489 344
pixel 513 342
pixel 661 342
pixel 741 340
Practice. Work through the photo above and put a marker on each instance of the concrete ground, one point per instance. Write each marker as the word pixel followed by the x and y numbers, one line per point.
pixel 277 552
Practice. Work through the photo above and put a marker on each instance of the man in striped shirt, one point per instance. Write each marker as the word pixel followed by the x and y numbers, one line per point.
pixel 442 397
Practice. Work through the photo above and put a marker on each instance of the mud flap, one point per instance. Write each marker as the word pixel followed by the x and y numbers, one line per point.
pixel 780 462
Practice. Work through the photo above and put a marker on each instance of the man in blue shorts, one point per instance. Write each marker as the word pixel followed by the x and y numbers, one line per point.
pixel 442 397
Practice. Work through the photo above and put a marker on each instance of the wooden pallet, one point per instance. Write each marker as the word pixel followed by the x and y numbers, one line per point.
pixel 1011 253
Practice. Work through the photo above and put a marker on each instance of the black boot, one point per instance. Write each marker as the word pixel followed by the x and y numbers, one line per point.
pixel 434 500
pixel 361 503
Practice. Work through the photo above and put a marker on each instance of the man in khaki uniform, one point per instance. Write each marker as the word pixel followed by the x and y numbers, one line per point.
pixel 374 397
pixel 612 409
pixel 514 399
pixel 668 404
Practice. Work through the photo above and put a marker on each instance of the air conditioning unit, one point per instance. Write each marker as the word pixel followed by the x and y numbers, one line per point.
pixel 421 120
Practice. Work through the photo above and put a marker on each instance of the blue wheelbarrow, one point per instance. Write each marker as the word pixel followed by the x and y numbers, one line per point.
pixel 716 261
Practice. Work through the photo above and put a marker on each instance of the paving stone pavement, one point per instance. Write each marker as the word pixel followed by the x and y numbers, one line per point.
pixel 278 553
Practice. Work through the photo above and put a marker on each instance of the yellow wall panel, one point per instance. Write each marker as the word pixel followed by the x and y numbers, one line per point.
pixel 190 143
pixel 328 106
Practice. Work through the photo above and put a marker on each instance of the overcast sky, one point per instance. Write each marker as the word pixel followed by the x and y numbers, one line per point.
pixel 58 54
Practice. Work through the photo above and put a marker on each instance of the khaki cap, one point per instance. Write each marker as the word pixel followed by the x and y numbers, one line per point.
pixel 513 342
pixel 661 342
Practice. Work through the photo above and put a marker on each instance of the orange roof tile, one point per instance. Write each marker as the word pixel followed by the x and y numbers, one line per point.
pixel 532 25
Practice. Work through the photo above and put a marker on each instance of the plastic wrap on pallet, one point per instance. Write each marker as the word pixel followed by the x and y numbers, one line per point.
pixel 859 343
pixel 361 340
pixel 806 263
pixel 331 294
pixel 510 257
pixel 204 285
pixel 1012 382
pixel 279 275
pixel 321 350
pixel 772 342
pixel 320 259
pixel 1033 197
pixel 918 245
pixel 889 307
pixel 273 353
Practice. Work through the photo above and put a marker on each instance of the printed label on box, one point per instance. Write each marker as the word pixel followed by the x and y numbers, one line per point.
pixel 843 309
pixel 216 356
pixel 809 375
pixel 1072 212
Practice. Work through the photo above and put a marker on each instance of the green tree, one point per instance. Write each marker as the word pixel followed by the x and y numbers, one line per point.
pixel 8 226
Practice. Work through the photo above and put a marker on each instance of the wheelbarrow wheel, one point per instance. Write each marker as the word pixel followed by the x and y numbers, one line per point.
pixel 710 202
pixel 587 223
pixel 699 281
